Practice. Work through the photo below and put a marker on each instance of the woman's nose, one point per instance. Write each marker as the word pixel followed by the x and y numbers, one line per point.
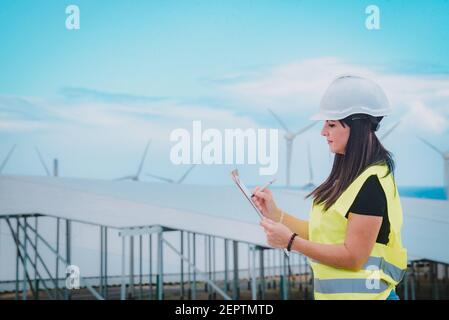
pixel 324 131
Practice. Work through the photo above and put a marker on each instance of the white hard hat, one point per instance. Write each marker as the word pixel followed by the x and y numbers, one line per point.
pixel 349 95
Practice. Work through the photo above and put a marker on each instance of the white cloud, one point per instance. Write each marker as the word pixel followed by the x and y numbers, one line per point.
pixel 425 119
pixel 295 89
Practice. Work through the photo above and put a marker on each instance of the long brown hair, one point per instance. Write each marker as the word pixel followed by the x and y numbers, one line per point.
pixel 362 150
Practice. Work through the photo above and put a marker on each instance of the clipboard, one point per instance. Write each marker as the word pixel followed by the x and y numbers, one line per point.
pixel 235 176
pixel 238 181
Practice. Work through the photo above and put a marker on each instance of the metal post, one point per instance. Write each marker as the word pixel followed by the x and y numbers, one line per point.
pixel 140 268
pixel 24 285
pixel 57 254
pixel 123 285
pixel 214 272
pixel 182 266
pixel 413 287
pixel 17 259
pixel 226 286
pixel 67 295
pixel 235 284
pixel 36 281
pixel 131 268
pixel 262 274
pixel 252 251
pixel 101 260
pixel 435 283
pixel 105 294
pixel 205 262
pixel 249 266
pixel 194 270
pixel 209 246
pixel 406 277
pixel 150 283
pixel 160 272
pixel 189 295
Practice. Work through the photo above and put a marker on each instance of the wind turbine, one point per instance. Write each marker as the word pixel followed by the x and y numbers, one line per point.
pixel 180 180
pixel 387 133
pixel 7 158
pixel 289 137
pixel 445 156
pixel 309 185
pixel 41 159
pixel 55 164
pixel 139 169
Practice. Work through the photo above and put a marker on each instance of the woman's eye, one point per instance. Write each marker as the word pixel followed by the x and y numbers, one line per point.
pixel 331 125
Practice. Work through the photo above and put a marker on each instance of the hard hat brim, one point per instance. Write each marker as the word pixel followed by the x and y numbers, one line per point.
pixel 322 116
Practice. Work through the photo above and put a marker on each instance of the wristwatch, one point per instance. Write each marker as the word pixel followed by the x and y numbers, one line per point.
pixel 289 246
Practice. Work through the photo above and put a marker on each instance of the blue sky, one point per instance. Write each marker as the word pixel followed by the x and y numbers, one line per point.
pixel 137 70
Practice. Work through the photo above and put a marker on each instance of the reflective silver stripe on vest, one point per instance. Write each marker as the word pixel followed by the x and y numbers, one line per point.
pixel 390 269
pixel 348 286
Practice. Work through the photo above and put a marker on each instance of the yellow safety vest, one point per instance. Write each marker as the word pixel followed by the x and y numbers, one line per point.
pixel 386 265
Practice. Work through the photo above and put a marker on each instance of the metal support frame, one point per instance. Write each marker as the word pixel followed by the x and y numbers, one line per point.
pixel 235 282
pixel 68 230
pixel 131 268
pixel 182 266
pixel 194 263
pixel 103 286
pixel 261 275
pixel 123 284
pixel 57 253
pixel 214 273
pixel 189 294
pixel 226 265
pixel 252 269
pixel 211 283
pixel 160 271
pixel 36 280
pixel 150 253
pixel 140 269
pixel 66 262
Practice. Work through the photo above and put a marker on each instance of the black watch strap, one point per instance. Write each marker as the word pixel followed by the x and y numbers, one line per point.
pixel 289 247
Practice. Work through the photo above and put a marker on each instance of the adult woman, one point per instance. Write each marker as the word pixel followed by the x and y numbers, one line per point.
pixel 353 237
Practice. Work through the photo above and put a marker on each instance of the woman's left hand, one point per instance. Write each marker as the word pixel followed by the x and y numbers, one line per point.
pixel 278 235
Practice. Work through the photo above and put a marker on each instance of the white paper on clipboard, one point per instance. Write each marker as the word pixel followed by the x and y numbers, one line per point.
pixel 245 191
pixel 235 176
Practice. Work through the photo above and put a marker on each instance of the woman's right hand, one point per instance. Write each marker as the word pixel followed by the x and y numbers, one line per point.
pixel 264 201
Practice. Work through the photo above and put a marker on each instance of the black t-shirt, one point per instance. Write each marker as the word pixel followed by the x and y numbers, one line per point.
pixel 371 201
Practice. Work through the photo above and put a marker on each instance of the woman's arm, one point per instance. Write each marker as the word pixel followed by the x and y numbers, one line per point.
pixel 360 238
pixel 301 227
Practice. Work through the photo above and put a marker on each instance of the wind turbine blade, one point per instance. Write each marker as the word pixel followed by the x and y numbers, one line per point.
pixel 309 158
pixel 432 146
pixel 7 157
pixel 143 159
pixel 186 174
pixel 42 161
pixel 283 125
pixel 306 128
pixel 160 178
pixel 390 130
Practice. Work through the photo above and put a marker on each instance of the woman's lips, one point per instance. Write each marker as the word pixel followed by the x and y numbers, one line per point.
pixel 329 142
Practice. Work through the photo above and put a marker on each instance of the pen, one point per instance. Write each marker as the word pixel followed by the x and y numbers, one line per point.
pixel 265 186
